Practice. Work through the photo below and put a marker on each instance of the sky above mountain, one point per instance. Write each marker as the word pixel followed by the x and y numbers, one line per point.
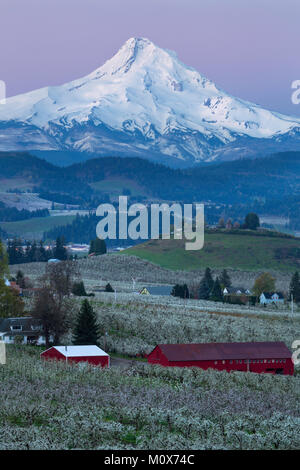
pixel 250 48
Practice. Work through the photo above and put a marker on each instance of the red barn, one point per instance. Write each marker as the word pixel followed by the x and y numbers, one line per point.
pixel 91 354
pixel 270 357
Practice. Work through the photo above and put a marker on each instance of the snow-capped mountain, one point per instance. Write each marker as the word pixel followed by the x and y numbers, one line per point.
pixel 145 102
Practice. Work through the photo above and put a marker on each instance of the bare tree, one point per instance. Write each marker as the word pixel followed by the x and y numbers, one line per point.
pixel 53 312
pixel 60 277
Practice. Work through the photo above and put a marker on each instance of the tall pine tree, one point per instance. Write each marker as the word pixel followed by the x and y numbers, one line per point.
pixel 206 285
pixel 87 330
pixel 295 287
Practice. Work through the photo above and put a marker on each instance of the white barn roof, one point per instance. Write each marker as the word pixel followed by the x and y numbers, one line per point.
pixel 80 351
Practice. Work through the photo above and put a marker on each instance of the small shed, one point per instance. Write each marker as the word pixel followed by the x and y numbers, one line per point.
pixel 91 354
pixel 269 357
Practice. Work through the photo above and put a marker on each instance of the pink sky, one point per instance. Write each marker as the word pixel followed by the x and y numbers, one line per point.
pixel 250 48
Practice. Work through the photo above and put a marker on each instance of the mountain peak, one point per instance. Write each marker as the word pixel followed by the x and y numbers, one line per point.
pixel 132 50
pixel 142 100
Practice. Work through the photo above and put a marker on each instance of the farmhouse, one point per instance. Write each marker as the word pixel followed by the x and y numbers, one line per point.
pixel 91 354
pixel 156 290
pixel 271 298
pixel 270 357
pixel 28 328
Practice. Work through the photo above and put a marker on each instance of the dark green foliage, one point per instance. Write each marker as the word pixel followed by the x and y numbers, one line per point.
pixel 216 294
pixel 225 280
pixel 33 252
pixel 59 251
pixel 108 288
pixel 181 290
pixel 206 285
pixel 87 330
pixel 97 246
pixel 11 214
pixel 295 287
pixel 20 279
pixel 79 289
pixel 251 221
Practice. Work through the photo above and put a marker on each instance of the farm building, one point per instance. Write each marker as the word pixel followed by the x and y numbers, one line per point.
pixel 91 354
pixel 270 357
pixel 271 298
pixel 156 290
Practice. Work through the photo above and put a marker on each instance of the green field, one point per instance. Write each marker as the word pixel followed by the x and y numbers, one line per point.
pixel 115 186
pixel 223 250
pixel 35 227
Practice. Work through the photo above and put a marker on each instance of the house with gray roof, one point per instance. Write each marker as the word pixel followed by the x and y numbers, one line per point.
pixel 28 328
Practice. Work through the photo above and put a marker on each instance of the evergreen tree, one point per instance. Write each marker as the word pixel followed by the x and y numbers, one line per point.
pixel 295 287
pixel 206 285
pixel 225 280
pixel 216 293
pixel 108 288
pixel 97 246
pixel 20 279
pixel 252 221
pixel 181 291
pixel 60 251
pixel 87 330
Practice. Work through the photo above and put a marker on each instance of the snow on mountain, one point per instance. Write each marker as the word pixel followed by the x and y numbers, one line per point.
pixel 143 101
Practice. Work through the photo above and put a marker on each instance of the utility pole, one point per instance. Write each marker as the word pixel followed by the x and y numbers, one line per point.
pixel 292 305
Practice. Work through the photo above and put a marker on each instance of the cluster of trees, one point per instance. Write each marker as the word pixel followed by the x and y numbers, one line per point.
pixel 34 252
pixel 212 289
pixel 12 214
pixel 52 305
pixel 181 290
pixel 251 223
pixel 81 230
pixel 53 308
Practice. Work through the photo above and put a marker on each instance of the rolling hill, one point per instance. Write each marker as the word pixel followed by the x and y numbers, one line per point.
pixel 242 250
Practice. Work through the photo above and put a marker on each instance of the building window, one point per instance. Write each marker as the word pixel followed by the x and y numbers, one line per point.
pixel 16 328
pixel 231 362
pixel 223 362
pixel 216 362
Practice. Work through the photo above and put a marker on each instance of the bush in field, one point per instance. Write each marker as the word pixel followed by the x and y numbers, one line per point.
pixel 78 289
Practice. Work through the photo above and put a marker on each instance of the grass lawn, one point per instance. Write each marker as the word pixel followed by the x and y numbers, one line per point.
pixel 221 250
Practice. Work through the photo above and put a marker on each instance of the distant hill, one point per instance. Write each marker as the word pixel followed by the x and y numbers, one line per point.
pixel 241 250
pixel 269 185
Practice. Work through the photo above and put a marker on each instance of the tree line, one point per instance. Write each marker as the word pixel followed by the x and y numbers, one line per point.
pixel 31 252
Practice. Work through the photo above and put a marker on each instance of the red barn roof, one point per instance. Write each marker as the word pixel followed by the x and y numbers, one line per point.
pixel 219 351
